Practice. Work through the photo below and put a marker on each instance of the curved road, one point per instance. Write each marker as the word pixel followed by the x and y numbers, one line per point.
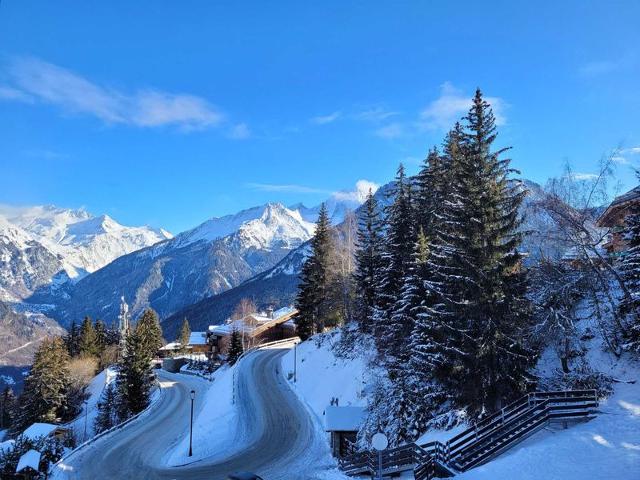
pixel 283 441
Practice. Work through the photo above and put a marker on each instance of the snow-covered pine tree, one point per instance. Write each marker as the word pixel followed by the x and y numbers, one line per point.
pixel 107 408
pixel 150 332
pixel 7 408
pixel 185 334
pixel 396 259
pixel 134 379
pixel 235 347
pixel 88 340
pixel 45 388
pixel 629 308
pixel 368 256
pixel 493 305
pixel 314 299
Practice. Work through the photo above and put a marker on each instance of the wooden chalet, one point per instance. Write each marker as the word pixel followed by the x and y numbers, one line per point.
pixel 614 218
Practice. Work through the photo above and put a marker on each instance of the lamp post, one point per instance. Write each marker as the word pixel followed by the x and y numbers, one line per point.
pixel 295 362
pixel 193 396
pixel 86 411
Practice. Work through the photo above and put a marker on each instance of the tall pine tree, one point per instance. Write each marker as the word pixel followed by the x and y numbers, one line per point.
pixel 368 256
pixel 107 409
pixel 185 334
pixel 149 332
pixel 235 347
pixel 88 339
pixel 134 379
pixel 314 292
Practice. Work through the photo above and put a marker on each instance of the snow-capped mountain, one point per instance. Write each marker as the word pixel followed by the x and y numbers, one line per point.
pixel 213 257
pixel 83 242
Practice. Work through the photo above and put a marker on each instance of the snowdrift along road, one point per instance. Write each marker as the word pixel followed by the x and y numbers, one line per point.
pixel 282 440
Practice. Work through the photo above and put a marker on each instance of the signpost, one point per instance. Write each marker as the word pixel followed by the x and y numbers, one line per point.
pixel 379 442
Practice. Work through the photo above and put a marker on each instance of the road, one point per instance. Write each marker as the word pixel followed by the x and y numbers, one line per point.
pixel 283 441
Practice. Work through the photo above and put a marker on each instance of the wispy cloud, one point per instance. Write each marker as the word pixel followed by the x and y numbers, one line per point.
pixel 376 114
pixel 583 176
pixel 287 188
pixel 72 93
pixel 325 119
pixel 240 132
pixel 630 151
pixel 45 154
pixel 592 69
pixel 452 104
pixel 393 130
pixel 9 93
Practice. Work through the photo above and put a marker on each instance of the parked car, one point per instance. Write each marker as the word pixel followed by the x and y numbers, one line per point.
pixel 244 476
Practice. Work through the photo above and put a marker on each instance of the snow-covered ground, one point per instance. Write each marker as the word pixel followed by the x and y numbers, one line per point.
pixel 90 409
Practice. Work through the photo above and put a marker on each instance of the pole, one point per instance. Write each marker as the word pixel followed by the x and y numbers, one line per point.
pixel 295 362
pixel 379 464
pixel 191 428
pixel 86 411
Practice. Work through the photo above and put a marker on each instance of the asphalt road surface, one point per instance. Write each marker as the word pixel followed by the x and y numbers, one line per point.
pixel 282 441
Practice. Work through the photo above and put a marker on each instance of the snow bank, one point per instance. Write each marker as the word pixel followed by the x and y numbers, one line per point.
pixel 90 409
pixel 214 424
pixel 321 375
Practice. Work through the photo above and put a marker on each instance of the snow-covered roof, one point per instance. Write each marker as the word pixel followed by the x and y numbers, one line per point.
pixel 281 312
pixel 171 346
pixel 30 459
pixel 252 321
pixel 6 445
pixel 38 430
pixel 198 338
pixel 343 419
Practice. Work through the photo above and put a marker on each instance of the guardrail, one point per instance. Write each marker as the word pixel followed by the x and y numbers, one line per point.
pixel 483 441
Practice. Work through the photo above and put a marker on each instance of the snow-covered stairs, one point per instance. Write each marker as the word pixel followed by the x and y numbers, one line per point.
pixel 485 440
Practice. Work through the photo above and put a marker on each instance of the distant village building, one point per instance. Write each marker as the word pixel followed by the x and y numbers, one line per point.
pixel 614 219
pixel 38 430
pixel 29 465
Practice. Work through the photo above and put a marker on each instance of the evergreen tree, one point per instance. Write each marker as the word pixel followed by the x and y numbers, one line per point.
pixel 314 292
pixel 107 409
pixel 368 256
pixel 135 376
pixel 102 336
pixel 396 260
pixel 88 340
pixel 7 408
pixel 45 388
pixel 235 347
pixel 629 308
pixel 150 332
pixel 72 340
pixel 185 334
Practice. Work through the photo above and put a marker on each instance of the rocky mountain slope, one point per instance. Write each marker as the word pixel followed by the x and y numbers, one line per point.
pixel 209 259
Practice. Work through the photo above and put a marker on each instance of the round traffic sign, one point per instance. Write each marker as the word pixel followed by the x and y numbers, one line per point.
pixel 379 441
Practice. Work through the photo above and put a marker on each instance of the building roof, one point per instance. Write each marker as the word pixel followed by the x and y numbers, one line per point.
pixel 38 430
pixel 198 338
pixel 30 459
pixel 625 197
pixel 612 212
pixel 343 419
pixel 171 346
pixel 254 322
pixel 7 445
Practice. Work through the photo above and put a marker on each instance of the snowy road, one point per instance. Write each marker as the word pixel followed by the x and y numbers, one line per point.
pixel 281 439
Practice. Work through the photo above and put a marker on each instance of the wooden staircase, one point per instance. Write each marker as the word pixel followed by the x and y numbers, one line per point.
pixel 484 441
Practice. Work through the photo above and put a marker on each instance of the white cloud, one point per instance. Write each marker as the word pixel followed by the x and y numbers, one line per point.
pixel 592 69
pixel 288 188
pixel 325 119
pixel 630 151
pixel 73 93
pixel 451 105
pixel 240 132
pixel 9 93
pixel 359 195
pixel 376 114
pixel 393 130
pixel 620 160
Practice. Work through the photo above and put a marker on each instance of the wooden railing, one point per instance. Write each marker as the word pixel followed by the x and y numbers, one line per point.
pixel 483 441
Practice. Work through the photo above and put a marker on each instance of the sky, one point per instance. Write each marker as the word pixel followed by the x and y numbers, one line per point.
pixel 169 113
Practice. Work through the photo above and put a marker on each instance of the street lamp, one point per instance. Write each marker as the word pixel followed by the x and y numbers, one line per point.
pixel 86 412
pixel 193 396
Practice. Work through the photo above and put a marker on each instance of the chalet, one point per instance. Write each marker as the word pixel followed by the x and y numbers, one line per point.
pixel 614 217
pixel 38 430
pixel 198 343
pixel 342 424
pixel 255 328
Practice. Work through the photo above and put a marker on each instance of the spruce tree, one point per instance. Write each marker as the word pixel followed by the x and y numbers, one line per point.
pixel 135 377
pixel 368 256
pixel 396 260
pixel 72 340
pixel 107 409
pixel 314 296
pixel 629 307
pixel 150 332
pixel 235 347
pixel 45 388
pixel 7 408
pixel 88 339
pixel 102 336
pixel 185 334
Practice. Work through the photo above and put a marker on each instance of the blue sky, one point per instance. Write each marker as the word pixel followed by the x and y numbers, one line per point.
pixel 168 113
